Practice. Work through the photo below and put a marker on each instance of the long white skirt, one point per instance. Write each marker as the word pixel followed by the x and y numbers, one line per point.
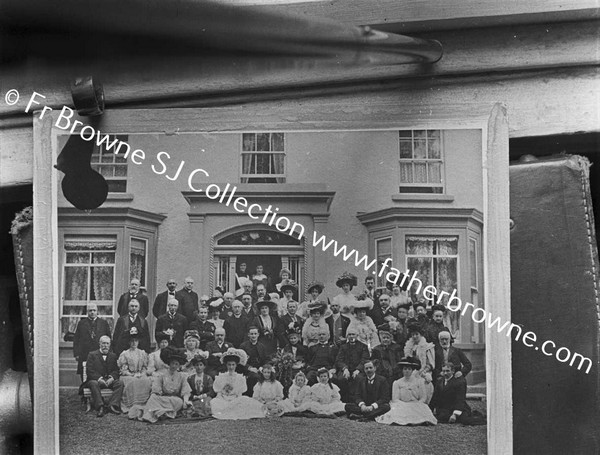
pixel 240 408
pixel 408 413
pixel 156 407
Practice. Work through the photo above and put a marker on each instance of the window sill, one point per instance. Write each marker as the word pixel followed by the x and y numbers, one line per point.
pixel 120 197
pixel 423 197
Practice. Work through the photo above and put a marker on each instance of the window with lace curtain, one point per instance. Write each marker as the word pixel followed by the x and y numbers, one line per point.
pixel 263 158
pixel 435 258
pixel 137 260
pixel 421 161
pixel 89 277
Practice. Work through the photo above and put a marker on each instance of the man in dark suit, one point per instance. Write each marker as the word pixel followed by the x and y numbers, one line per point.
pixel 257 356
pixel 338 324
pixel 383 312
pixel 215 350
pixel 133 293
pixel 172 324
pixel 248 308
pixel 349 363
pixel 371 396
pixel 160 302
pixel 188 300
pixel 236 326
pixel 447 353
pixel 87 336
pixel 449 401
pixel 291 319
pixel 205 328
pixel 103 373
pixel 124 323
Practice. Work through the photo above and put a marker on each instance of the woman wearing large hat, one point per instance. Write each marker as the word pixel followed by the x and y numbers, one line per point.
pixel 314 291
pixel 408 405
pixel 191 341
pixel 170 390
pixel 418 347
pixel 230 403
pixel 364 325
pixel 289 289
pixel 315 323
pixel 215 307
pixel 268 326
pixel 345 299
pixel 133 363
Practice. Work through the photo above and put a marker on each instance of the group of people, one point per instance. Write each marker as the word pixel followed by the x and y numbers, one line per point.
pixel 375 356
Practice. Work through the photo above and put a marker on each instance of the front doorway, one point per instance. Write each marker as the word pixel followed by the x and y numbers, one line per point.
pixel 253 247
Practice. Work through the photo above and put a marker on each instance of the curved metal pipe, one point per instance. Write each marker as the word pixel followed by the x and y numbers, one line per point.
pixel 209 24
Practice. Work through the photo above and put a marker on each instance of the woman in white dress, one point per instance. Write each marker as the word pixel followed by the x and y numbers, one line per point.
pixel 215 307
pixel 408 405
pixel 424 352
pixel 364 326
pixel 314 324
pixel 345 299
pixel 398 297
pixel 315 289
pixel 170 391
pixel 325 397
pixel 230 403
pixel 133 364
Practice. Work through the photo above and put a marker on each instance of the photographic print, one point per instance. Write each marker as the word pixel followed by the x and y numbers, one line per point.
pixel 270 242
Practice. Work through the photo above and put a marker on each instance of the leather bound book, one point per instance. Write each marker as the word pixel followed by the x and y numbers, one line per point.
pixel 554 288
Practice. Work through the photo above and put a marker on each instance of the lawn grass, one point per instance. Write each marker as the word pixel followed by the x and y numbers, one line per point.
pixel 85 434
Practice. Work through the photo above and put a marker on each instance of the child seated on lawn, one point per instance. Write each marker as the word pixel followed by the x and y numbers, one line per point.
pixel 324 396
pixel 269 392
pixel 298 395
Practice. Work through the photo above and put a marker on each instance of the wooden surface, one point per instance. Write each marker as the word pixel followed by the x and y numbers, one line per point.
pixel 189 80
pixel 539 103
pixel 497 291
pixel 45 282
pixel 410 15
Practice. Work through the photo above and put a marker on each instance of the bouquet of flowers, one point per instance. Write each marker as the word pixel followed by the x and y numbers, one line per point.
pixel 283 362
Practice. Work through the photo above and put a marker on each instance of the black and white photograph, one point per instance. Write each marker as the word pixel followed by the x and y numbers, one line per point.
pixel 272 226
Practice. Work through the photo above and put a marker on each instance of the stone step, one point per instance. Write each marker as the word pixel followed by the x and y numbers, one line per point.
pixel 476 391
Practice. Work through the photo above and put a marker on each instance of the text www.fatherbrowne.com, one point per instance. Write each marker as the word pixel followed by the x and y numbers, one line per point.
pixel 283 224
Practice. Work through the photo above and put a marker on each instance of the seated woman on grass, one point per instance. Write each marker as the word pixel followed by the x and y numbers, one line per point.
pixel 230 403
pixel 325 398
pixel 269 392
pixel 408 405
pixel 170 391
pixel 201 385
